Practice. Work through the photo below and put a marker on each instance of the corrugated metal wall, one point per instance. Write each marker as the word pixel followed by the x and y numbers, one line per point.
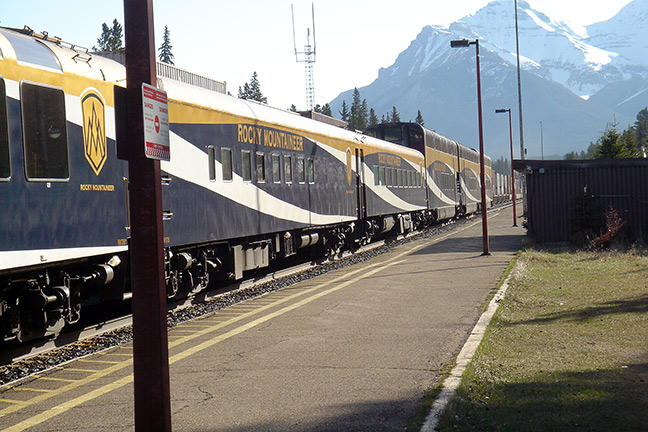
pixel 552 187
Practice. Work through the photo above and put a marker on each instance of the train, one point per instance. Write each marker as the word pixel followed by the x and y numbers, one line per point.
pixel 246 186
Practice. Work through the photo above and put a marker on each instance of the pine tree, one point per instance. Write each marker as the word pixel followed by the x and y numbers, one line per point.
pixel 641 128
pixel 165 50
pixel 111 38
pixel 395 117
pixel 572 155
pixel 610 146
pixel 363 120
pixel 419 118
pixel 292 108
pixel 326 110
pixel 344 113
pixel 629 141
pixel 373 119
pixel 252 91
pixel 356 120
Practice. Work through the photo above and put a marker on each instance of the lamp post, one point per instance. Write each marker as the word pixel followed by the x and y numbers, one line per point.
pixel 508 110
pixel 541 142
pixel 464 43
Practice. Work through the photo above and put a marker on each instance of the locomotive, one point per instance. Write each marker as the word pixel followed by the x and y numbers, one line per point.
pixel 246 185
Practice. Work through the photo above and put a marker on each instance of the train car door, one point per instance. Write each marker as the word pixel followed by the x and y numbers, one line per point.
pixel 361 192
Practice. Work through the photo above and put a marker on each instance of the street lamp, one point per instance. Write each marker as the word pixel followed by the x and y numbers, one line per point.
pixel 464 43
pixel 541 142
pixel 508 110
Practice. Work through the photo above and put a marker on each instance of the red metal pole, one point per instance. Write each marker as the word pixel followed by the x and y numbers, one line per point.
pixel 512 171
pixel 482 173
pixel 150 340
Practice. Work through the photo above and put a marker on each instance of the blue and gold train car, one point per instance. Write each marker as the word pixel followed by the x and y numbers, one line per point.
pixel 246 185
pixel 451 174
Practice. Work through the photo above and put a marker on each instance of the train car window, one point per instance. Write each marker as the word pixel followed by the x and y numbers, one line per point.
pixel 260 167
pixel 415 135
pixel 382 176
pixel 401 182
pixel 276 168
pixel 32 51
pixel 311 171
pixel 394 134
pixel 44 133
pixel 211 161
pixel 389 177
pixel 226 163
pixel 301 171
pixel 288 169
pixel 376 176
pixel 5 167
pixel 246 165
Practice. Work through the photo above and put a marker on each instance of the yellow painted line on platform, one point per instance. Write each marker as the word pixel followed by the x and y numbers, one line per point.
pixel 65 406
pixel 59 409
pixel 54 379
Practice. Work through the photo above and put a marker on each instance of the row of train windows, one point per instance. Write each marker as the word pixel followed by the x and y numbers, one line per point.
pixel 305 169
pixel 387 176
pixel 44 133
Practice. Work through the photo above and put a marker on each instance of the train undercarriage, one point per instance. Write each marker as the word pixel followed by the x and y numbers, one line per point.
pixel 39 302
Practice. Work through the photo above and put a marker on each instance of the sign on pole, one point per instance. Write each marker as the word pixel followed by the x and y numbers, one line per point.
pixel 156 123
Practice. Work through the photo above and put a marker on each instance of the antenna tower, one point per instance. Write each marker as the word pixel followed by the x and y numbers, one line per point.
pixel 308 57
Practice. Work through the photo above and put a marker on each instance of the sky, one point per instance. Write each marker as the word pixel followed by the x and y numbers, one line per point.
pixel 229 40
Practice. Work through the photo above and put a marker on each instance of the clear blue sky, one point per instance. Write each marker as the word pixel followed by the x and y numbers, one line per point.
pixel 229 40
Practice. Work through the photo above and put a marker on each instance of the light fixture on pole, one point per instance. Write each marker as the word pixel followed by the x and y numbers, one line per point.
pixel 508 110
pixel 464 43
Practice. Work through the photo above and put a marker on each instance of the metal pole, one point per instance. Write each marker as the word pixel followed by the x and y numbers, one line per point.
pixel 517 48
pixel 512 170
pixel 150 340
pixel 519 82
pixel 541 142
pixel 482 170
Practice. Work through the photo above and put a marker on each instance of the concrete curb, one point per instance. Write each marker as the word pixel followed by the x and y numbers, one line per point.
pixel 465 356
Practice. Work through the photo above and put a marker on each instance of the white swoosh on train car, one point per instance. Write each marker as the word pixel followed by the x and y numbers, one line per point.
pixel 24 258
pixel 192 164
pixel 384 193
pixel 464 188
pixel 437 191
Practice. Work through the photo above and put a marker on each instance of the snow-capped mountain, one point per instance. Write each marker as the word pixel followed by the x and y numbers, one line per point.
pixel 575 84
pixel 625 34
pixel 552 49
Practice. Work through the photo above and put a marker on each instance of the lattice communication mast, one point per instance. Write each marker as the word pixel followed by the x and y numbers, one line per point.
pixel 308 57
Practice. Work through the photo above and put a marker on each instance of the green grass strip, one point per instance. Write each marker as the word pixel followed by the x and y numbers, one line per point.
pixel 567 349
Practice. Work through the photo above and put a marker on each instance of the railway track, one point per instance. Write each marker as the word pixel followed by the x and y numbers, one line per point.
pixel 22 361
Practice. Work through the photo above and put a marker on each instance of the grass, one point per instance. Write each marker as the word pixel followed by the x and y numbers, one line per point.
pixel 566 351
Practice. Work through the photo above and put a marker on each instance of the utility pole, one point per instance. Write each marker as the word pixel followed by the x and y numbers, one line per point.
pixel 150 339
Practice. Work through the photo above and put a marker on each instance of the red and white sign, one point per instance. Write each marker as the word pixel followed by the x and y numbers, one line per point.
pixel 156 123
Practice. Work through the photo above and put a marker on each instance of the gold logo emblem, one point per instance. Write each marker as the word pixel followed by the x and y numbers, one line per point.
pixel 94 130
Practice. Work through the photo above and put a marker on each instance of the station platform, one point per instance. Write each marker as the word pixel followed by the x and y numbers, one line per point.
pixel 354 349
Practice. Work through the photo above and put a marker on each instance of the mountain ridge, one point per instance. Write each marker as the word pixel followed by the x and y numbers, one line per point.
pixel 575 84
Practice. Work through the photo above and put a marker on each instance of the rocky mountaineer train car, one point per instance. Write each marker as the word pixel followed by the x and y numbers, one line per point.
pixel 451 169
pixel 246 185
